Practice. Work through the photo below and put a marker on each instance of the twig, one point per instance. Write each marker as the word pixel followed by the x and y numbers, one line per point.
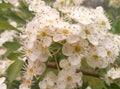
pixel 56 63
pixel 88 72
pixel 85 72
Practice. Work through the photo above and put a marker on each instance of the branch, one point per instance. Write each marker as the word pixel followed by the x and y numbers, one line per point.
pixel 88 72
pixel 85 72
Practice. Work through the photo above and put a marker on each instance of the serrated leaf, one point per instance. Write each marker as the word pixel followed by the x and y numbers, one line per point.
pixel 11 47
pixel 16 18
pixel 113 86
pixel 55 46
pixel 14 70
pixel 5 5
pixel 13 56
pixel 85 85
pixel 94 83
pixel 117 26
pixel 4 25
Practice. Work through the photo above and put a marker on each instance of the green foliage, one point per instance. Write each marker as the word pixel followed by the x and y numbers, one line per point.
pixel 11 47
pixel 113 86
pixel 13 70
pixel 95 83
pixel 14 85
pixel 24 15
pixel 13 56
pixel 117 26
pixel 114 16
pixel 20 16
pixel 4 25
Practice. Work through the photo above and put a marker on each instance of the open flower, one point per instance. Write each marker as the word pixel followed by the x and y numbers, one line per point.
pixel 2 84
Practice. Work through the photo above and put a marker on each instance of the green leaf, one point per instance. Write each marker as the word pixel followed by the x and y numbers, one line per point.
pixel 11 47
pixel 14 70
pixel 95 83
pixel 14 85
pixel 15 17
pixel 113 86
pixel 5 5
pixel 85 85
pixel 117 26
pixel 13 56
pixel 55 46
pixel 4 25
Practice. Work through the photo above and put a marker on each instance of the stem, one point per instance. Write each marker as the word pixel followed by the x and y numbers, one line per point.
pixel 56 63
pixel 85 72
pixel 56 52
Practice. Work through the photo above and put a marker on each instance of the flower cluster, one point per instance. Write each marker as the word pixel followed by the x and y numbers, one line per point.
pixel 82 33
pixel 13 2
pixel 112 74
pixel 5 36
pixel 61 35
pixel 114 3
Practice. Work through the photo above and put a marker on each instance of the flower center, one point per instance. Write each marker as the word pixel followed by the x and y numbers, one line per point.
pixel 65 31
pixel 109 52
pixel 62 2
pixel 78 48
pixel 69 79
pixel 28 51
pixel 31 70
pixel 103 22
pixel 28 82
pixel 95 57
pixel 87 32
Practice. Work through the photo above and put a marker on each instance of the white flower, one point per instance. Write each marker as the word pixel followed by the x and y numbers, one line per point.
pixel 47 42
pixel 36 5
pixel 97 59
pixel 101 19
pixel 62 31
pixel 88 87
pixel 72 61
pixel 73 39
pixel 112 47
pixel 114 3
pixel 40 67
pixel 7 36
pixel 2 51
pixel 64 63
pixel 23 86
pixel 75 60
pixel 63 4
pixel 75 48
pixel 37 52
pixel 48 82
pixel 4 64
pixel 75 29
pixel 34 69
pixel 68 79
pixel 13 2
pixel 2 84
pixel 1 1
pixel 82 15
pixel 114 73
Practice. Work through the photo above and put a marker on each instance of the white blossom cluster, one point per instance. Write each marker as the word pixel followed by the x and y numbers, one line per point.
pixel 114 3
pixel 112 74
pixel 82 32
pixel 5 36
pixel 13 2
